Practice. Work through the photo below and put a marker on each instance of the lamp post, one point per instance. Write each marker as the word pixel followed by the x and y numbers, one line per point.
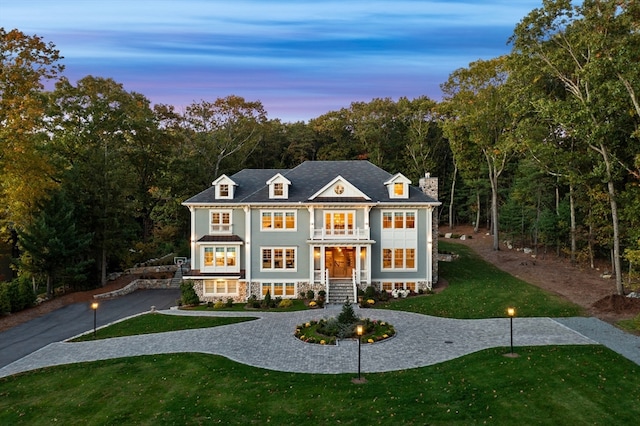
pixel 359 331
pixel 511 312
pixel 94 306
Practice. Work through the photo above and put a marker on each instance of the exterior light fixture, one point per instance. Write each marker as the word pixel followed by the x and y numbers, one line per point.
pixel 511 312
pixel 359 331
pixel 94 307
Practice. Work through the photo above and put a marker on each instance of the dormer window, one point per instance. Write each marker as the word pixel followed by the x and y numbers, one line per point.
pixel 398 186
pixel 398 189
pixel 278 187
pixel 224 188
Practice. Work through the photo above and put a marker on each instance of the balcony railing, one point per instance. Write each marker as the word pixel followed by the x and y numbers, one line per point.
pixel 341 234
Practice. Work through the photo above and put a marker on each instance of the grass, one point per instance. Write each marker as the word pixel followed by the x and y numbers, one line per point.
pixel 545 385
pixel 631 325
pixel 158 323
pixel 478 289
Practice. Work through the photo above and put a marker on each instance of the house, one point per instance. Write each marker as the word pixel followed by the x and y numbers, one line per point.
pixel 324 225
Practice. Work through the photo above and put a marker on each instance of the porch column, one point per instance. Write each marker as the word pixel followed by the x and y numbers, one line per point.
pixel 429 230
pixel 247 248
pixel 192 240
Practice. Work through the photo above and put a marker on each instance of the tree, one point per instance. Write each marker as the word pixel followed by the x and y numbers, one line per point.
pixel 476 106
pixel 26 62
pixel 219 129
pixel 102 136
pixel 53 246
pixel 591 51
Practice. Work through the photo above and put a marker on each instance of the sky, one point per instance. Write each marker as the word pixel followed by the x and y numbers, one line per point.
pixel 299 58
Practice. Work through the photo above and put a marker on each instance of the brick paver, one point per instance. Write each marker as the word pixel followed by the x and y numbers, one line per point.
pixel 268 342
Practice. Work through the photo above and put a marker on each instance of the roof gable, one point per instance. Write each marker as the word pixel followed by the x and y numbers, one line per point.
pixel 339 187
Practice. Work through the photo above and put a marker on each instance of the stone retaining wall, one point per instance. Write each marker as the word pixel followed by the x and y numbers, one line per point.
pixel 136 285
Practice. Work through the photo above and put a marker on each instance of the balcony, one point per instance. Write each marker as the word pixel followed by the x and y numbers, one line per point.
pixel 341 234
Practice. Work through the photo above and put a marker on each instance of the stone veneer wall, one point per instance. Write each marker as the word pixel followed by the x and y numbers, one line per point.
pixel 198 287
pixel 429 186
pixel 302 287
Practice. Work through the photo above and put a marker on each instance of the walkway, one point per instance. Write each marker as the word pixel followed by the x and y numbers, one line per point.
pixel 268 342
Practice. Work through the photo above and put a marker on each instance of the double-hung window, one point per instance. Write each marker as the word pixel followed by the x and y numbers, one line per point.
pixel 279 258
pixel 220 259
pixel 220 221
pixel 399 220
pixel 278 220
pixel 398 258
pixel 220 287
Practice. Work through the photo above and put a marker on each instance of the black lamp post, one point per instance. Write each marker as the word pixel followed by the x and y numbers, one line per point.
pixel 94 306
pixel 511 312
pixel 359 331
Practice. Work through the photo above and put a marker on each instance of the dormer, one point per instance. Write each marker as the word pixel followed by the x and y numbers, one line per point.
pixel 398 186
pixel 225 188
pixel 278 187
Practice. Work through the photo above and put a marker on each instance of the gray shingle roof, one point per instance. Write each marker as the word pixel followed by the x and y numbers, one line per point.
pixel 307 179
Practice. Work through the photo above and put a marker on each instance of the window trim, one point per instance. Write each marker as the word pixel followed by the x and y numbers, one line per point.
pixel 221 227
pixel 272 214
pixel 215 283
pixel 226 268
pixel 392 258
pixel 283 284
pixel 285 252
pixel 392 214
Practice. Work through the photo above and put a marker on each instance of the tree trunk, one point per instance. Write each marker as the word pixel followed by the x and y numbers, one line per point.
pixel 494 209
pixel 572 208
pixel 614 221
pixel 453 188
pixel 476 228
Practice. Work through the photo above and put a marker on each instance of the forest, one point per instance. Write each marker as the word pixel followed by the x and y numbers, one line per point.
pixel 540 147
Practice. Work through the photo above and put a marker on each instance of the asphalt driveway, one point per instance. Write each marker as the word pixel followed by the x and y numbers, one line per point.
pixel 77 318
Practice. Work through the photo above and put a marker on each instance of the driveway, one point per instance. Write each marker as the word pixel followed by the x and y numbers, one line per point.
pixel 75 319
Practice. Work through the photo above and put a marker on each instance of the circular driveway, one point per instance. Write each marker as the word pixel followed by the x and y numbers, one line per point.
pixel 268 342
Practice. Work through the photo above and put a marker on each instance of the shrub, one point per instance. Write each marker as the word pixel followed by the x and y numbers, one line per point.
pixel 189 296
pixel 229 303
pixel 347 316
pixel 310 294
pixel 267 300
pixel 219 305
pixel 285 303
pixel 370 292
pixel 5 303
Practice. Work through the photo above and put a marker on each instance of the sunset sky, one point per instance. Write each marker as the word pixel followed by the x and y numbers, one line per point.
pixel 300 58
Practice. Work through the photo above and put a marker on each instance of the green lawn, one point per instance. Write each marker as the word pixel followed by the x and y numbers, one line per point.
pixel 566 385
pixel 478 289
pixel 158 323
pixel 545 385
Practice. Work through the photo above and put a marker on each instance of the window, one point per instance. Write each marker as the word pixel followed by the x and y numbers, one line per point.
pixel 398 189
pixel 390 286
pixel 220 222
pixel 398 258
pixel 386 220
pixel 279 258
pixel 278 189
pixel 278 289
pixel 398 220
pixel 278 221
pixel 224 190
pixel 220 287
pixel 339 223
pixel 220 259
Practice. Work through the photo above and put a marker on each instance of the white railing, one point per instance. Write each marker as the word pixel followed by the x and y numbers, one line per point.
pixel 354 277
pixel 325 282
pixel 341 234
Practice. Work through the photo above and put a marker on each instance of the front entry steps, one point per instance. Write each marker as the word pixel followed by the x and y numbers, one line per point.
pixel 340 291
